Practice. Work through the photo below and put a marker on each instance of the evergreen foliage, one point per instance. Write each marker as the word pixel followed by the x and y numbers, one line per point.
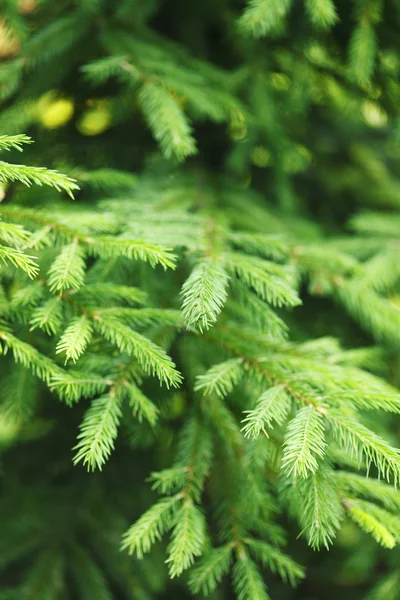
pixel 200 298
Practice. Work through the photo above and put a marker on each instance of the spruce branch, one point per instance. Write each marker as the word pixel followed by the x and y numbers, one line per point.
pixel 272 406
pixel 150 357
pixel 20 260
pixel 358 511
pixel 263 17
pixel 204 294
pixel 322 13
pixel 221 379
pixel 48 316
pixel 108 247
pixel 14 235
pixel 68 269
pixel 276 561
pixel 99 430
pixel 271 281
pixel 167 480
pixel 355 484
pixel 142 407
pixel 188 538
pixel 362 52
pixel 247 580
pixel 304 443
pixel 209 571
pixel 37 176
pixel 14 142
pixel 364 444
pixel 42 366
pixel 151 526
pixel 73 385
pixel 167 121
pixel 316 503
pixel 75 338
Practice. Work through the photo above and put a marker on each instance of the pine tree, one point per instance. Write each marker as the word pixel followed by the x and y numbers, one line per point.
pixel 200 315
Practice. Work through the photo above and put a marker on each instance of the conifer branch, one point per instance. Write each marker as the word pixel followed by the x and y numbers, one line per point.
pixel 362 51
pixel 272 406
pixel 167 480
pixel 247 580
pixel 167 121
pixel 48 316
pixel 99 430
pixel 322 13
pixel 151 357
pixel 75 338
pixel 142 407
pixel 318 506
pixel 14 142
pixel 272 282
pixel 73 385
pixel 268 423
pixel 276 560
pixel 209 571
pixel 304 443
pixel 37 176
pixel 188 538
pixel 137 249
pixel 204 294
pixel 42 366
pixel 370 488
pixel 220 379
pixel 20 260
pixel 369 523
pixel 151 526
pixel 68 269
pixel 263 17
pixel 363 443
